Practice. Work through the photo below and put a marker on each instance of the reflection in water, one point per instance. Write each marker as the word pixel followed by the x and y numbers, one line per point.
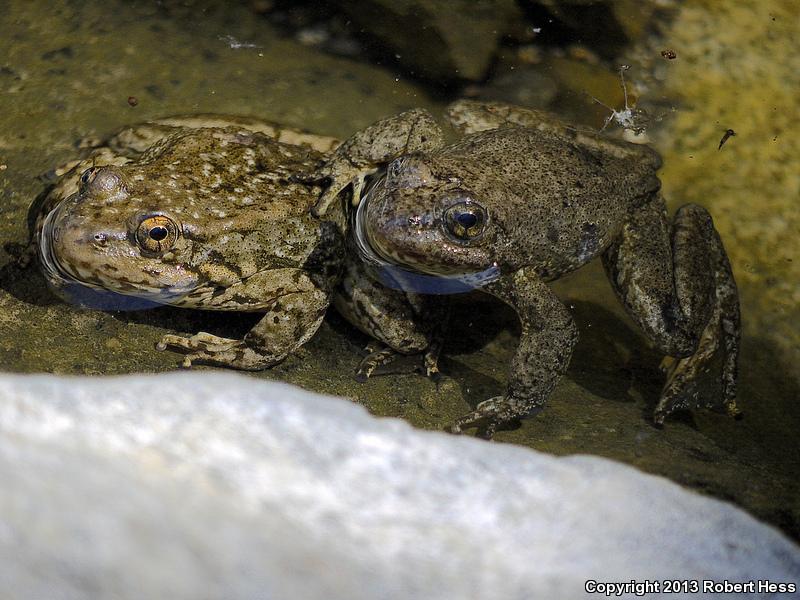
pixel 83 296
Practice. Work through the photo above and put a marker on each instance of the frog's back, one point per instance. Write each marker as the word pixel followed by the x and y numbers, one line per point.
pixel 556 200
pixel 231 169
pixel 571 165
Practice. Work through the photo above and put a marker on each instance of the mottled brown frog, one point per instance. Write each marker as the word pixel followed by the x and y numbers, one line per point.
pixel 522 199
pixel 198 212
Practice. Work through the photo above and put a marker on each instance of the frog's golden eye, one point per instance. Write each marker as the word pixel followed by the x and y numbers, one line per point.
pixel 157 234
pixel 465 220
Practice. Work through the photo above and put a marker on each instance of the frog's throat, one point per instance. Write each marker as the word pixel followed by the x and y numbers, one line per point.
pixel 386 267
pixel 92 290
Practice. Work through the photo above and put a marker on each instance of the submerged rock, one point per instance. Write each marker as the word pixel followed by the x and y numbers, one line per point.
pixel 606 26
pixel 451 40
pixel 217 485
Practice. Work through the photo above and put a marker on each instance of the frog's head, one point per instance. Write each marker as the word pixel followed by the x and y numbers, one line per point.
pixel 414 218
pixel 106 237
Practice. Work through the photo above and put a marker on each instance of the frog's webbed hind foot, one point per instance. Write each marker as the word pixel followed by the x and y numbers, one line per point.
pixel 488 417
pixel 697 381
pixel 207 349
pixel 676 282
pixel 707 378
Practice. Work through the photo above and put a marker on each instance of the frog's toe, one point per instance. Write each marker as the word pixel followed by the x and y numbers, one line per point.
pixel 326 199
pixel 486 417
pixel 204 348
pixel 378 354
pixel 430 362
pixel 202 342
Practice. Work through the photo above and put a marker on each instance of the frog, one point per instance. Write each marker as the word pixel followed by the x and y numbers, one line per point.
pixel 519 199
pixel 202 211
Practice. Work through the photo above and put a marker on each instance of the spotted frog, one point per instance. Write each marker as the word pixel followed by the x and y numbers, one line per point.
pixel 203 211
pixel 522 199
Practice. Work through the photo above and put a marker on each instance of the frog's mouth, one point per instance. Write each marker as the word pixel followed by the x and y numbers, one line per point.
pixel 84 292
pixel 386 268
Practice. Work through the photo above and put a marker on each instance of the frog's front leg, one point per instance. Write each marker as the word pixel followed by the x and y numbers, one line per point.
pixel 545 348
pixel 401 323
pixel 675 280
pixel 360 155
pixel 290 322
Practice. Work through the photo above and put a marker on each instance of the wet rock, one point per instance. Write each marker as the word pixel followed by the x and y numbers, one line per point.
pixel 751 185
pixel 607 27
pixel 450 40
pixel 522 86
pixel 206 485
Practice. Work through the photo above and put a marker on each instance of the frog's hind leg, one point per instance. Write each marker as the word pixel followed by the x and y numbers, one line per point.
pixel 675 280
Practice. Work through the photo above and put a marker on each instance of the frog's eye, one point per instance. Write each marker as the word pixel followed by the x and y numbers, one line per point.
pixel 88 176
pixel 102 181
pixel 465 220
pixel 409 171
pixel 157 234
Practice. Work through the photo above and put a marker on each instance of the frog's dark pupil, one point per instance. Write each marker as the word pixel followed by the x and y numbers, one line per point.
pixel 158 233
pixel 467 220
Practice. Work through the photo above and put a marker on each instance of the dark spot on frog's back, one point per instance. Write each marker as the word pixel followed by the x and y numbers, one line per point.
pixel 552 235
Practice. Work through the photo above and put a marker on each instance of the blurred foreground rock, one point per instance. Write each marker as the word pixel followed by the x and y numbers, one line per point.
pixel 197 485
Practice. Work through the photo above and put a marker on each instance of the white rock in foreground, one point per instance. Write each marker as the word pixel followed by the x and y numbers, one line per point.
pixel 198 485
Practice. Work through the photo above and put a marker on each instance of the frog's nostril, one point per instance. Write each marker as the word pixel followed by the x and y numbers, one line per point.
pixel 100 239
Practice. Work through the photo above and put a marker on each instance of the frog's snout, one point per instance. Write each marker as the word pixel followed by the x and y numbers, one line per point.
pixel 71 244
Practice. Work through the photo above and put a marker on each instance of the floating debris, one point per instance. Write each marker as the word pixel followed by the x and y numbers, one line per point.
pixel 669 54
pixel 133 100
pixel 235 44
pixel 630 118
pixel 728 134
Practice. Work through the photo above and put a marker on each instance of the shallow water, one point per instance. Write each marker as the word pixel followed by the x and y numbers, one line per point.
pixel 73 69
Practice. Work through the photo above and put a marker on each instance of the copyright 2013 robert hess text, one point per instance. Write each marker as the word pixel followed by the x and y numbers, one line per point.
pixel 642 587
